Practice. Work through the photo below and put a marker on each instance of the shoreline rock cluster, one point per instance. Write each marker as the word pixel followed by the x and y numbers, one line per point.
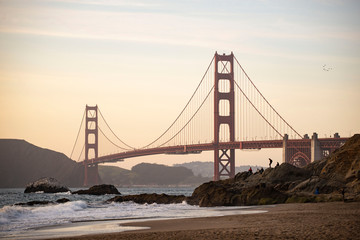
pixel 46 185
pixel 51 185
pixel 334 178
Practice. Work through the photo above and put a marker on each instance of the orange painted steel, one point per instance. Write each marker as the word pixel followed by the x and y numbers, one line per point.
pixel 224 158
pixel 195 148
pixel 91 175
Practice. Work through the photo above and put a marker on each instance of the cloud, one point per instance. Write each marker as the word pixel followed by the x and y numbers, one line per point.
pixel 109 3
pixel 117 26
pixel 263 35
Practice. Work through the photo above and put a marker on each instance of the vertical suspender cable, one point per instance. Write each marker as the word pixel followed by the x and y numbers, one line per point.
pixel 83 117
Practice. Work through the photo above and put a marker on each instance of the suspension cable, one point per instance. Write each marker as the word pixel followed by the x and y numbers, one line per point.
pixel 189 119
pixel 112 141
pixel 265 99
pixel 252 104
pixel 82 150
pixel 129 147
pixel 77 137
pixel 183 108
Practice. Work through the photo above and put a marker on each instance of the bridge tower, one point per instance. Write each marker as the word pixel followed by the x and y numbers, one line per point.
pixel 91 175
pixel 224 115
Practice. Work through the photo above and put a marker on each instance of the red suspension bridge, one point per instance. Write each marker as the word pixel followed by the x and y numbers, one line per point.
pixel 225 112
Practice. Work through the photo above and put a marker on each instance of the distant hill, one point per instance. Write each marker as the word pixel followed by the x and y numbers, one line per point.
pixel 206 169
pixel 149 174
pixel 22 163
pixel 116 175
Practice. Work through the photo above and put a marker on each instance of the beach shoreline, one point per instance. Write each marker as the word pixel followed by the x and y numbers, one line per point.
pixel 331 220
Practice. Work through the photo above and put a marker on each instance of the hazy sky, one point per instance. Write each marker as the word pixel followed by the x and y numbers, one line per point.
pixel 140 61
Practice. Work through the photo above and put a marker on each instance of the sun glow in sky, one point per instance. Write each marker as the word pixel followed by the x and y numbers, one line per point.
pixel 140 61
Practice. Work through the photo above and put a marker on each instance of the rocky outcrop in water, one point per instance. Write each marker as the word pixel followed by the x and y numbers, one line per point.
pixel 46 185
pixel 99 190
pixel 32 203
pixel 336 177
pixel 44 202
pixel 150 198
pixel 63 200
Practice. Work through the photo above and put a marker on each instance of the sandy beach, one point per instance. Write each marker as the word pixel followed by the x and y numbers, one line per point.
pixel 334 220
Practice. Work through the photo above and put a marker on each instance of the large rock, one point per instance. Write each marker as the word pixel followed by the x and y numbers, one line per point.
pixel 46 185
pixel 150 198
pixel 213 194
pixel 330 177
pixel 99 190
pixel 340 170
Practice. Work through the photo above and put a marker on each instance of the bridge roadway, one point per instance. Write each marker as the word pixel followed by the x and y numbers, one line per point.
pixel 325 143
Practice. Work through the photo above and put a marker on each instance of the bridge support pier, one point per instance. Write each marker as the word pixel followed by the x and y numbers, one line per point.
pixel 316 151
pixel 91 175
pixel 285 154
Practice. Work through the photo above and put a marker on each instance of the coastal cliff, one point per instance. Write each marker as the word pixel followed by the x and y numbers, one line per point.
pixel 22 162
pixel 334 178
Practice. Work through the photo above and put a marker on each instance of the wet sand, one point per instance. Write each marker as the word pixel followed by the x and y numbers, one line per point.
pixel 335 220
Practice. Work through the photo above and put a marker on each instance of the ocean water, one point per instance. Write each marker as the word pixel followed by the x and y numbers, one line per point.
pixel 86 214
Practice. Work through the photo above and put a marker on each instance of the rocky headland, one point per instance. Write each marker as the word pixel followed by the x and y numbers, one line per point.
pixel 334 178
pixel 22 162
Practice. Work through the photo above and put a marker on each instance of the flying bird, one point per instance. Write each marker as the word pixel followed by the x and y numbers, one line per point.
pixel 327 68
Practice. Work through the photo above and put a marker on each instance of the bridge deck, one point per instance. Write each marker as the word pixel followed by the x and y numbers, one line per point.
pixel 197 148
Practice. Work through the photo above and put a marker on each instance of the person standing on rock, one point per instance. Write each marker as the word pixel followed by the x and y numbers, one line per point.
pixel 270 162
pixel 250 170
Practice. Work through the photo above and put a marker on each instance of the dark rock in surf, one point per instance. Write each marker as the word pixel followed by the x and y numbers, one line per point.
pixel 62 200
pixel 32 203
pixel 46 185
pixel 37 202
pixel 99 190
pixel 150 198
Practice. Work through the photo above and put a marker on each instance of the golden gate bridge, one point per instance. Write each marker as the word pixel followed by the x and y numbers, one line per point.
pixel 225 112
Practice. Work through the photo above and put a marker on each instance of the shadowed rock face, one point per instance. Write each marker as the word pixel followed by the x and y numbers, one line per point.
pixel 99 190
pixel 46 185
pixel 341 168
pixel 150 198
pixel 287 183
pixel 22 163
